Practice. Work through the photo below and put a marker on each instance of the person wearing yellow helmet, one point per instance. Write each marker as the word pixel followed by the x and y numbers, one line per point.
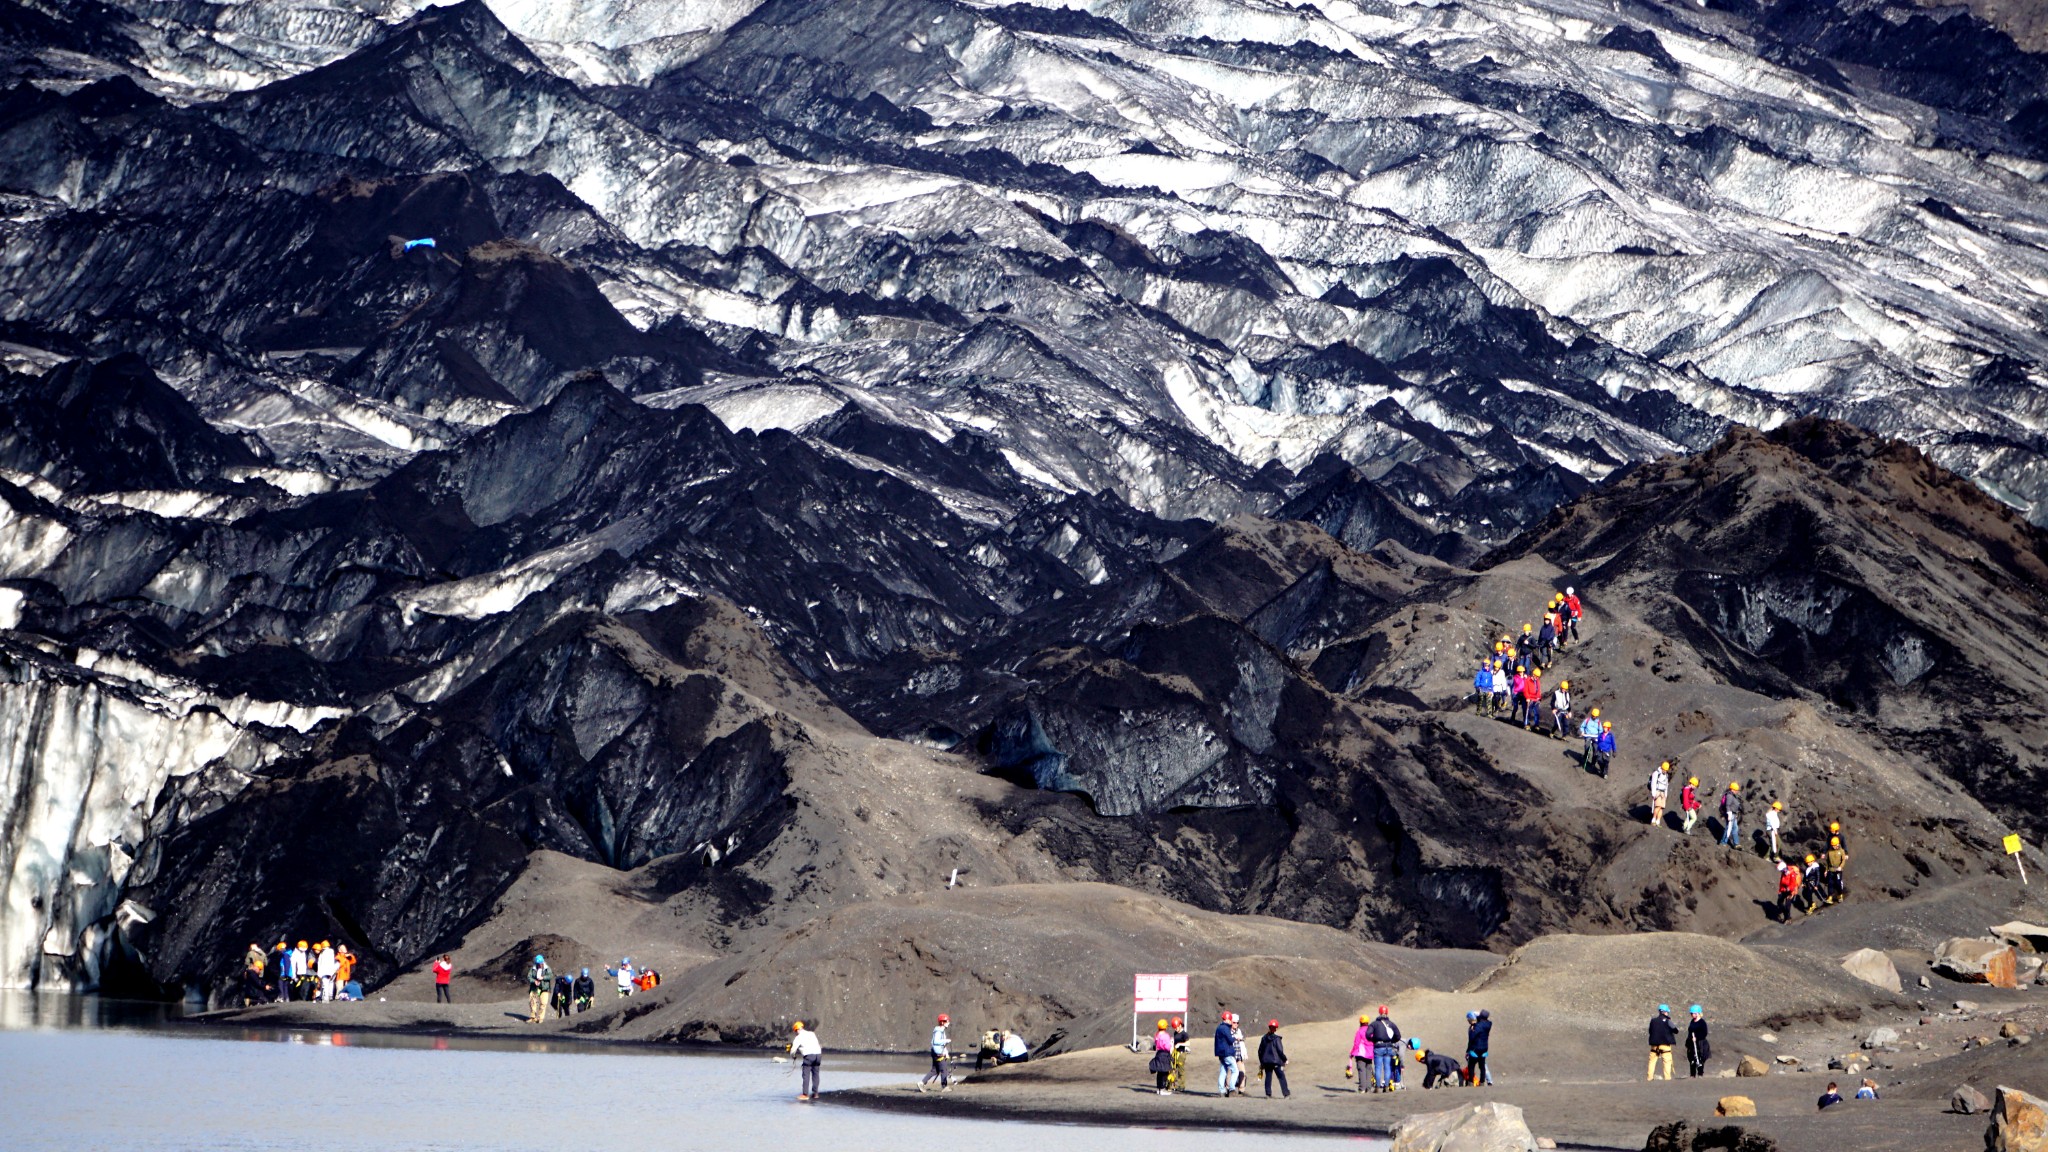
pixel 1589 735
pixel 1532 699
pixel 1731 815
pixel 1774 819
pixel 1689 804
pixel 804 1047
pixel 1560 709
pixel 1604 748
pixel 1660 788
pixel 1837 859
pixel 1813 888
pixel 1162 1057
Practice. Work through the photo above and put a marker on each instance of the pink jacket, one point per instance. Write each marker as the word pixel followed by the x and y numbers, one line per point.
pixel 1361 1044
pixel 1162 1041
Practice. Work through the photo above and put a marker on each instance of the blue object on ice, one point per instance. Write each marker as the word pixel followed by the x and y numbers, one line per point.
pixel 422 242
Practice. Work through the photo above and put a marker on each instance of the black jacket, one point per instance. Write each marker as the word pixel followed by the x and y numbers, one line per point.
pixel 1696 1041
pixel 1271 1052
pixel 585 987
pixel 1440 1064
pixel 1383 1030
pixel 1661 1031
pixel 1477 1036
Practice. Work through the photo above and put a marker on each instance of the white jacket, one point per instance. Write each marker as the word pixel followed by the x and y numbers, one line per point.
pixel 806 1044
pixel 328 964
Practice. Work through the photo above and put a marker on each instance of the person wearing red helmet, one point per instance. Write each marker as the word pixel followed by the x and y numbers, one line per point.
pixel 942 1043
pixel 1273 1059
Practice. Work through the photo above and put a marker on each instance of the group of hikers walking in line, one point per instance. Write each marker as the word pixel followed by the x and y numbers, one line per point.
pixel 546 991
pixel 1509 684
pixel 998 1046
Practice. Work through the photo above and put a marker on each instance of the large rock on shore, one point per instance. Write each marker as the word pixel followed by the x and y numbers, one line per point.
pixel 1735 1106
pixel 1492 1127
pixel 1978 962
pixel 2019 1123
pixel 1873 967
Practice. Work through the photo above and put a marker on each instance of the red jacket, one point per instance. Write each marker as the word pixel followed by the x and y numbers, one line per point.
pixel 1788 882
pixel 1688 798
pixel 1532 688
pixel 1571 605
pixel 443 970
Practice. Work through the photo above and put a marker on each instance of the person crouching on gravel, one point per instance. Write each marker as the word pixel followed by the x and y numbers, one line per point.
pixel 1697 1051
pixel 942 1051
pixel 1273 1060
pixel 1438 1068
pixel 1663 1037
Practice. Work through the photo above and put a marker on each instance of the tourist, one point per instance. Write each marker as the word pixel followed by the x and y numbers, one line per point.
pixel 1273 1060
pixel 326 967
pixel 563 995
pixel 1811 886
pixel 444 971
pixel 1838 861
pixel 1386 1054
pixel 1867 1091
pixel 1502 683
pixel 1660 788
pixel 1178 1082
pixel 624 975
pixel 1561 709
pixel 1225 1047
pixel 941 1049
pixel 1478 1038
pixel 1589 733
pixel 1663 1037
pixel 992 1046
pixel 1482 687
pixel 1437 1069
pixel 1788 891
pixel 1237 1037
pixel 1532 698
pixel 1361 1054
pixel 1689 804
pixel 804 1046
pixel 1604 748
pixel 539 980
pixel 585 990
pixel 1831 1097
pixel 281 971
pixel 1014 1050
pixel 1731 815
pixel 1162 1056
pixel 1774 819
pixel 1697 1050
pixel 1573 610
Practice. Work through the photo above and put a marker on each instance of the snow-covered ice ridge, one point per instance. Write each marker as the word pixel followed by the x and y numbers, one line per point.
pixel 984 298
pixel 1545 231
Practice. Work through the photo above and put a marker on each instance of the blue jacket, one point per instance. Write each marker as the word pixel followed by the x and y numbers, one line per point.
pixel 1483 679
pixel 1477 1036
pixel 1606 744
pixel 1226 1044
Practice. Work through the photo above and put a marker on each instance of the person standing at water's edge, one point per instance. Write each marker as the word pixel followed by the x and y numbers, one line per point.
pixel 941 1051
pixel 540 981
pixel 804 1047
pixel 1663 1037
pixel 444 971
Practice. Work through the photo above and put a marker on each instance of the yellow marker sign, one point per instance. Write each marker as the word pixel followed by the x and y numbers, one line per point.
pixel 2012 844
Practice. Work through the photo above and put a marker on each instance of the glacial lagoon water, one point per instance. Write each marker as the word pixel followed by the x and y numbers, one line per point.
pixel 83 1074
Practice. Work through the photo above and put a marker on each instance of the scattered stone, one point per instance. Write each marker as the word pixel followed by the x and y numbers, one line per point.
pixel 1681 1136
pixel 1490 1127
pixel 1751 1066
pixel 1767 1037
pixel 1919 1046
pixel 1926 983
pixel 1873 967
pixel 1966 1005
pixel 1978 962
pixel 1879 1037
pixel 1788 1058
pixel 2029 968
pixel 2018 1041
pixel 1744 1106
pixel 2010 1029
pixel 1545 1142
pixel 1968 1101
pixel 1725 1074
pixel 2019 1123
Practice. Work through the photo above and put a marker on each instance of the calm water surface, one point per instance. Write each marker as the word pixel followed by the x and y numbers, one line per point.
pixel 84 1074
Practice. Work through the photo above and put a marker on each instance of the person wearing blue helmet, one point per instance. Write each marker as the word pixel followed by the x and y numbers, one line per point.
pixel 540 982
pixel 1697 1051
pixel 1663 1038
pixel 1478 1038
pixel 586 988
